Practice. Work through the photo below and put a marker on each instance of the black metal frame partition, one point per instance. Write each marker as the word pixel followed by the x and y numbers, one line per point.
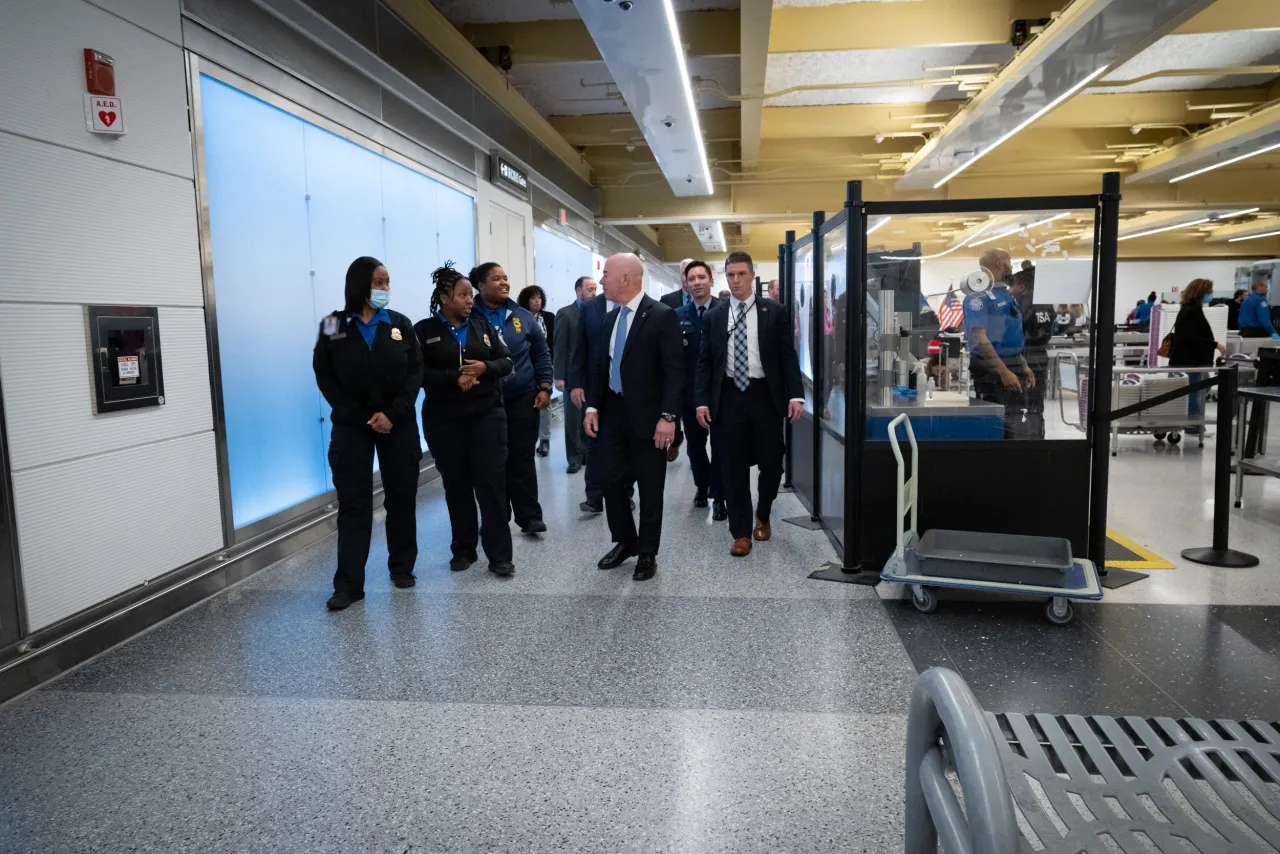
pixel 1106 206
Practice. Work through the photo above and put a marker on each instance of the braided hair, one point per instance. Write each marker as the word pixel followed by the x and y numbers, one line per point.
pixel 443 280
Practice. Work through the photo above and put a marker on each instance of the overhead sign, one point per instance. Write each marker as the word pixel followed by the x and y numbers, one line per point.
pixel 104 114
pixel 509 176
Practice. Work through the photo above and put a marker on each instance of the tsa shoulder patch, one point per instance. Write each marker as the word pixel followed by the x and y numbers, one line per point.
pixel 515 321
pixel 975 303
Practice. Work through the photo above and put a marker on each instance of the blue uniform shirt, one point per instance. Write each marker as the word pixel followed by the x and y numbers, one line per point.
pixel 1255 313
pixel 1142 314
pixel 368 330
pixel 459 334
pixel 496 316
pixel 998 314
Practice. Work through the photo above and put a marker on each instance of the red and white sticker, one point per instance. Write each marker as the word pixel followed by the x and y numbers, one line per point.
pixel 104 114
pixel 127 369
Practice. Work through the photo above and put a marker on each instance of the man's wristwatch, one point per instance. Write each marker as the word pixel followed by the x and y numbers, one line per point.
pixel 544 388
pixel 669 418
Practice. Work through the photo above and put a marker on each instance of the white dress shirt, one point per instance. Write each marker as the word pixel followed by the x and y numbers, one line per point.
pixel 755 368
pixel 622 321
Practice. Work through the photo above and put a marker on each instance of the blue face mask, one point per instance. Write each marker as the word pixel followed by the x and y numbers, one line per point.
pixel 378 299
pixel 1207 298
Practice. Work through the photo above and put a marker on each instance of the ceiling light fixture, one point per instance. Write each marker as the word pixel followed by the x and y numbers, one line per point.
pixel 1166 228
pixel 678 45
pixel 879 225
pixel 1046 108
pixel 1020 228
pixel 1255 236
pixel 1224 163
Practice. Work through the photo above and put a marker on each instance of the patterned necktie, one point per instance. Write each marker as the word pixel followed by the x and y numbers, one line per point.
pixel 619 343
pixel 741 367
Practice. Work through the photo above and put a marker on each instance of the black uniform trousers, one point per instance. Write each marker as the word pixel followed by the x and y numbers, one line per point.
pixel 625 460
pixel 1034 397
pixel 706 473
pixel 748 430
pixel 351 451
pixel 522 474
pixel 987 386
pixel 574 437
pixel 471 456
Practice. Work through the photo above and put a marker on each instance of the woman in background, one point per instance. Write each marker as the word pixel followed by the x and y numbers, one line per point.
pixel 369 369
pixel 464 361
pixel 533 299
pixel 1193 342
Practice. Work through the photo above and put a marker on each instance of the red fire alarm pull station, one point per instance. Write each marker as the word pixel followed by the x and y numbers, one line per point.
pixel 99 72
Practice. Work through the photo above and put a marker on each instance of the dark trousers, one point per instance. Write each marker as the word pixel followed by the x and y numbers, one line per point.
pixel 522 475
pixel 748 429
pixel 987 386
pixel 1254 332
pixel 627 459
pixel 471 456
pixel 351 451
pixel 706 474
pixel 574 449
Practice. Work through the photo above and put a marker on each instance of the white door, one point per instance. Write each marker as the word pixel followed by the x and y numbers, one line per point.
pixel 507 245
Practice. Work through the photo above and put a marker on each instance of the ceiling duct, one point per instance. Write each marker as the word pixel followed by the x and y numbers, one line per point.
pixel 1234 142
pixel 640 43
pixel 1089 37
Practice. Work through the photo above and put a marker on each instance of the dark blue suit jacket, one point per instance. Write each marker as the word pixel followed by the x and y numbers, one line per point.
pixel 691 329
pixel 590 341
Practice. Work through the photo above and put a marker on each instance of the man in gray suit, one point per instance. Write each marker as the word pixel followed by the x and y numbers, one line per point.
pixel 566 326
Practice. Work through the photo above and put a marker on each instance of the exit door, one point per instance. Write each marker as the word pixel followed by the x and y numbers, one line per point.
pixel 507 244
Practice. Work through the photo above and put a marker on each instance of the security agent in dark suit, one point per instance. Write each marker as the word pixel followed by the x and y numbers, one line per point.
pixel 590 343
pixel 748 382
pixel 566 329
pixel 706 475
pixel 680 298
pixel 634 391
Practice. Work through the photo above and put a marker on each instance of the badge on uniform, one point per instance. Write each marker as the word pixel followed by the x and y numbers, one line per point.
pixel 435 340
pixel 395 334
pixel 516 323
pixel 330 325
pixel 486 340
pixel 975 303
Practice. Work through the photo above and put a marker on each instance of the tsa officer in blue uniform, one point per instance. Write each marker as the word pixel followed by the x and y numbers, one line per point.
pixel 369 369
pixel 463 363
pixel 1255 314
pixel 526 391
pixel 993 328
pixel 706 475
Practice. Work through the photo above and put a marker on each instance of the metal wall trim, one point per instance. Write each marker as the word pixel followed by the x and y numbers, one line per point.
pixel 13 601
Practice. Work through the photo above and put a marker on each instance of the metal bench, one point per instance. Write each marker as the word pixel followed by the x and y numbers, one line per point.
pixel 983 783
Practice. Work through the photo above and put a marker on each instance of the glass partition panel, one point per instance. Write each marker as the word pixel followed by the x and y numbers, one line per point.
pixel 803 316
pixel 970 318
pixel 835 300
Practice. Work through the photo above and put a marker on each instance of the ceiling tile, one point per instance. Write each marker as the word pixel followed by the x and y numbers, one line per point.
pixel 1201 50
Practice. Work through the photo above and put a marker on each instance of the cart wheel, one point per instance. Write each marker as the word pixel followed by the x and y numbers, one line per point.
pixel 1059 611
pixel 1159 437
pixel 1175 438
pixel 923 599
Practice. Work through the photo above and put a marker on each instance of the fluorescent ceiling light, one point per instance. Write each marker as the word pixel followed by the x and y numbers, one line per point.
pixel 1166 228
pixel 674 29
pixel 961 245
pixel 1019 228
pixel 879 225
pixel 1046 108
pixel 1238 213
pixel 1255 236
pixel 1224 163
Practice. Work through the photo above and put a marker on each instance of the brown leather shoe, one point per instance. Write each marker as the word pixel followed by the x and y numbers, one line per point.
pixel 741 547
pixel 762 531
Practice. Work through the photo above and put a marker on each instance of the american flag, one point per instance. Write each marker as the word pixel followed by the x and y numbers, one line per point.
pixel 951 312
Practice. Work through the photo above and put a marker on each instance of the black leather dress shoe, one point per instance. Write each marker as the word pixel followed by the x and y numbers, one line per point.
pixel 720 511
pixel 504 567
pixel 459 564
pixel 404 581
pixel 700 499
pixel 537 526
pixel 573 468
pixel 589 507
pixel 616 556
pixel 646 568
pixel 342 600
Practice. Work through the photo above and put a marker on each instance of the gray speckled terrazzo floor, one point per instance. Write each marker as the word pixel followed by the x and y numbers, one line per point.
pixel 726 706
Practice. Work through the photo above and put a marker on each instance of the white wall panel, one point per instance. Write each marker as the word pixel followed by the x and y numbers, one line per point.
pixel 94 527
pixel 48 390
pixel 78 228
pixel 162 17
pixel 42 66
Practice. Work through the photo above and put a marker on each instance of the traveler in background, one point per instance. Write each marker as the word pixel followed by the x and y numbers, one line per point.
pixel 463 363
pixel 566 327
pixel 775 293
pixel 533 299
pixel 1255 314
pixel 993 329
pixel 1233 308
pixel 526 391
pixel 706 473
pixel 748 382
pixel 1142 314
pixel 724 295
pixel 1133 313
pixel 1193 342
pixel 675 299
pixel 634 391
pixel 1065 320
pixel 369 368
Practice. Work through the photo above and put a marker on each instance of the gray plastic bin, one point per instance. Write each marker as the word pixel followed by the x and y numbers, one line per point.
pixel 1009 558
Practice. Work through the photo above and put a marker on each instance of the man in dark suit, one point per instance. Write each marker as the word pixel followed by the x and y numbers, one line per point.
pixel 706 475
pixel 748 382
pixel 589 344
pixel 634 391
pixel 566 327
pixel 679 298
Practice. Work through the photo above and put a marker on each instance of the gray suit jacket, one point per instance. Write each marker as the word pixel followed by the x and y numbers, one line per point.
pixel 566 326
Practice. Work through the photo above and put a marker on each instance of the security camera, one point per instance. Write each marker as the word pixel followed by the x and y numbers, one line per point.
pixel 666 123
pixel 879 138
pixel 625 5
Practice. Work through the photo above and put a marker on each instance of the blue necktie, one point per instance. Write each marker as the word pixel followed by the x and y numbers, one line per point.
pixel 619 343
